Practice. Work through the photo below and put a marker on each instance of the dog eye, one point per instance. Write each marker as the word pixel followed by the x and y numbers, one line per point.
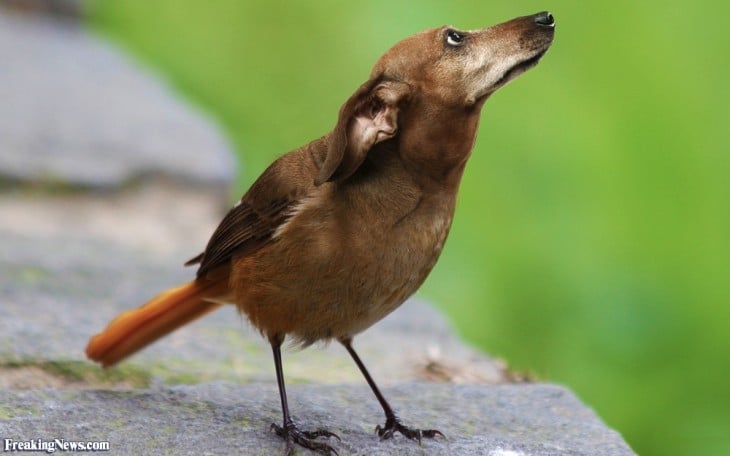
pixel 454 38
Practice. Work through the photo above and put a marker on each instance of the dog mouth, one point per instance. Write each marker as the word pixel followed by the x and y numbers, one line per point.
pixel 518 69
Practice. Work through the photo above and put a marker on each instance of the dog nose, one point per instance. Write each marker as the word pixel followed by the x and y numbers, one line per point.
pixel 545 19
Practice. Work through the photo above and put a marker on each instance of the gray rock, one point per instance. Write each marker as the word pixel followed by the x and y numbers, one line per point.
pixel 75 111
pixel 60 9
pixel 224 418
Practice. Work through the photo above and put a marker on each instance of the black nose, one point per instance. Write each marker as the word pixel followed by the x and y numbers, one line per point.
pixel 545 19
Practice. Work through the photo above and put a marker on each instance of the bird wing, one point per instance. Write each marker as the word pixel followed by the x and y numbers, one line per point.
pixel 251 223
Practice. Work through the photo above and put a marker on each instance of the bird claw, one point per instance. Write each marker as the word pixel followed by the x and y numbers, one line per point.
pixel 392 425
pixel 293 435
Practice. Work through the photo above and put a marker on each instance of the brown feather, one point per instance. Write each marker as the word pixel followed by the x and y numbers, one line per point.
pixel 171 309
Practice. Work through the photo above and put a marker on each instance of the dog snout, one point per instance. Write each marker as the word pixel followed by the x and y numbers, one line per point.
pixel 544 19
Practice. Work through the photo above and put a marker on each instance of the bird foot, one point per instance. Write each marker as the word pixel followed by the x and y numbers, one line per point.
pixel 293 435
pixel 392 425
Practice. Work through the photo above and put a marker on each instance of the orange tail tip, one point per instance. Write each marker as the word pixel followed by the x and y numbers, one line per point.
pixel 171 309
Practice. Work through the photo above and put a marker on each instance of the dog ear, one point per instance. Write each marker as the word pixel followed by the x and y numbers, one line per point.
pixel 368 117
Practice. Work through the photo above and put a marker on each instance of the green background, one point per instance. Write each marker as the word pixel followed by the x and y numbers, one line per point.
pixel 590 245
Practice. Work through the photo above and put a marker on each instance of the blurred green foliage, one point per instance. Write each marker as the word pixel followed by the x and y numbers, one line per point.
pixel 591 243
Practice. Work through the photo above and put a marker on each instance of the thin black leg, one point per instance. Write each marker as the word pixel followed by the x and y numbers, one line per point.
pixel 392 423
pixel 289 431
pixel 276 348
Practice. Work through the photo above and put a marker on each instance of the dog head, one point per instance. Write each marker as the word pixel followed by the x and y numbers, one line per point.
pixel 428 90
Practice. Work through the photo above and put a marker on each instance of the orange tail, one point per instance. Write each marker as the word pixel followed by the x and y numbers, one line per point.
pixel 171 309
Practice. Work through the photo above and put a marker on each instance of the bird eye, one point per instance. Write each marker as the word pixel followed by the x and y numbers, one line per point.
pixel 454 38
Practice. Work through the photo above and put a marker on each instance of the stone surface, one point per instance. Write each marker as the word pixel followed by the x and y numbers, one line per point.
pixel 224 418
pixel 60 9
pixel 75 111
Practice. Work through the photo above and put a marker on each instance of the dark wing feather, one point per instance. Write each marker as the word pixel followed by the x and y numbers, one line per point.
pixel 264 208
pixel 242 230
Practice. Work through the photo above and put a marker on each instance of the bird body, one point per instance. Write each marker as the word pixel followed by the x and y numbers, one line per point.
pixel 338 233
pixel 346 256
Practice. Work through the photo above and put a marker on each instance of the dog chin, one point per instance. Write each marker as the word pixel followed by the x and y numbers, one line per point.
pixel 510 74
pixel 520 68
